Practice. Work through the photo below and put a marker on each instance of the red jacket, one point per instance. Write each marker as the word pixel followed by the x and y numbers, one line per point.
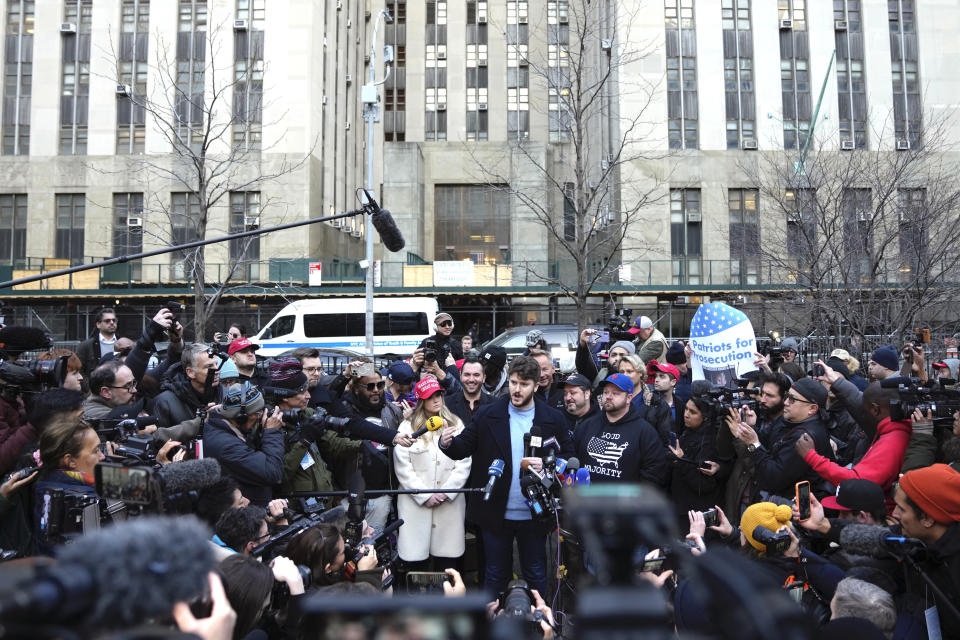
pixel 881 464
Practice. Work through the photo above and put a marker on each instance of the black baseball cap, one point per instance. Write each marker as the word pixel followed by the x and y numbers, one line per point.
pixel 857 494
pixel 576 380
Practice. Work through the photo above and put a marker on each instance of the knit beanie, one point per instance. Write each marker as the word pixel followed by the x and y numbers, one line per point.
pixel 936 490
pixel 812 391
pixel 286 377
pixel 767 515
pixel 676 354
pixel 887 357
pixel 623 344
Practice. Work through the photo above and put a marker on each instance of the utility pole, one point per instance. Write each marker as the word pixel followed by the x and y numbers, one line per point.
pixel 370 98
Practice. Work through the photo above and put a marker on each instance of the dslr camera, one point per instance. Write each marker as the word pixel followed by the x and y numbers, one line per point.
pixel 433 351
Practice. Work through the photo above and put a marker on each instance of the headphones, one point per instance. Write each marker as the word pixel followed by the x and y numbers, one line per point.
pixel 242 396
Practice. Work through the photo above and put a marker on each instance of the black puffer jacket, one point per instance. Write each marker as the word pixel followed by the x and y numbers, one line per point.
pixel 178 401
pixel 690 488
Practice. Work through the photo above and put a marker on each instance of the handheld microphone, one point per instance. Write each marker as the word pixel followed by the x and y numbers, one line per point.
pixel 561 466
pixel 528 487
pixel 116 577
pixel 570 477
pixel 583 477
pixel 389 233
pixel 534 443
pixel 433 423
pixel 495 471
pixel 551 443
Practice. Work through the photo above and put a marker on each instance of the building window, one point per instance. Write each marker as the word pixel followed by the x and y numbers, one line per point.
pixel 794 73
pixel 681 48
pixel 518 71
pixel 184 215
pixel 248 77
pixel 128 229
pixel 18 77
pixel 191 64
pixel 686 241
pixel 857 235
pixel 70 219
pixel 904 54
pixel 132 74
pixel 744 235
pixel 394 113
pixel 851 88
pixel 472 222
pixel 75 73
pixel 800 206
pixel 13 228
pixel 569 212
pixel 244 216
pixel 435 80
pixel 738 73
pixel 912 232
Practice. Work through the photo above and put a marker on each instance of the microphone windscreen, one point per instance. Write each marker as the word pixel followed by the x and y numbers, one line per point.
pixel 16 340
pixel 434 423
pixel 573 464
pixel 864 540
pixel 583 476
pixel 496 468
pixel 189 475
pixel 388 231
pixel 142 567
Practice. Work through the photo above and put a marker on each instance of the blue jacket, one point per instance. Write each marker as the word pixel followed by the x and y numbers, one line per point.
pixel 488 438
pixel 256 466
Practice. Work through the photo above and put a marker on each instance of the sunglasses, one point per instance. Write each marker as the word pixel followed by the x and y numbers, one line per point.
pixel 375 385
pixel 445 323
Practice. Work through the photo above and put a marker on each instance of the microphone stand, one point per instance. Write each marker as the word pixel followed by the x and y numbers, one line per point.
pixel 937 592
pixel 379 492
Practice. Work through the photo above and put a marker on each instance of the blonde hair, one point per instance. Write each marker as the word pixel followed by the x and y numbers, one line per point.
pixel 635 360
pixel 419 416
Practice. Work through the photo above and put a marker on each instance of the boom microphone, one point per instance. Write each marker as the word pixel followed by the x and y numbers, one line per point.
pixel 876 542
pixel 189 475
pixel 495 471
pixel 433 423
pixel 119 576
pixel 390 235
pixel 16 340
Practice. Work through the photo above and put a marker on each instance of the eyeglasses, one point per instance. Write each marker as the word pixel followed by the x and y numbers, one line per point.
pixel 790 399
pixel 130 386
pixel 445 323
pixel 375 385
pixel 312 369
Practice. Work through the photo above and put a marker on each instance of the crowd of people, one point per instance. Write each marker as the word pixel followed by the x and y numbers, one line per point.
pixel 796 474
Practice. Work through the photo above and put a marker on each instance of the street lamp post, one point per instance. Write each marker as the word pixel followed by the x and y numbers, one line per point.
pixel 371 114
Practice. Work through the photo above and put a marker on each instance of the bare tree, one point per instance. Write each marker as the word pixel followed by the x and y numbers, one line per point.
pixel 866 238
pixel 209 111
pixel 587 200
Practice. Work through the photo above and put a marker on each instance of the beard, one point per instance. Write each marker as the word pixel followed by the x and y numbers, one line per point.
pixel 523 399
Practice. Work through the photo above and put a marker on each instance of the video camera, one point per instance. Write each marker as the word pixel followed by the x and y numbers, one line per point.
pixel 776 542
pixel 125 432
pixel 934 397
pixel 725 398
pixel 172 489
pixel 516 605
pixel 618 326
pixel 33 376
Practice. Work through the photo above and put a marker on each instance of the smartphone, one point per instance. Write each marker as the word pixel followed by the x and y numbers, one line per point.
pixel 600 336
pixel 16 476
pixel 711 518
pixel 175 308
pixel 427 581
pixel 130 484
pixel 818 370
pixel 652 564
pixel 673 439
pixel 803 500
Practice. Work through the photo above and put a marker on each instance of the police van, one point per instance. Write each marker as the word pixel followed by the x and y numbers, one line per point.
pixel 399 325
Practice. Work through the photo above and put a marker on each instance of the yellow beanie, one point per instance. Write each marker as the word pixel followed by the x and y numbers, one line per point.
pixel 767 515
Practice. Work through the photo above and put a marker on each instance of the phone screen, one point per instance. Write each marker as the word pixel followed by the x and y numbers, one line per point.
pixel 711 518
pixel 652 564
pixel 426 581
pixel 673 439
pixel 130 484
pixel 803 500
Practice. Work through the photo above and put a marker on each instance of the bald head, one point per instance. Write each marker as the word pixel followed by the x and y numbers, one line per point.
pixel 876 400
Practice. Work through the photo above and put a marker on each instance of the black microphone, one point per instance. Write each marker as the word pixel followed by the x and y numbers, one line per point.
pixel 876 542
pixel 534 443
pixel 495 471
pixel 16 340
pixel 355 497
pixel 117 577
pixel 189 475
pixel 389 233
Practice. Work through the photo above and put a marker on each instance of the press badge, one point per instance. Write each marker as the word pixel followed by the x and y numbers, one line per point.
pixel 933 623
pixel 307 461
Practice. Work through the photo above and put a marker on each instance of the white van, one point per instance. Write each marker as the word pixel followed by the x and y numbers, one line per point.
pixel 399 325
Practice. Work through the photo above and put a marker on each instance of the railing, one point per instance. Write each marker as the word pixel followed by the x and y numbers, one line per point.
pixel 415 273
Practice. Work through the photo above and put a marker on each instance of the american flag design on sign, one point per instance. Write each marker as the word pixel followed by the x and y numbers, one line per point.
pixel 604 451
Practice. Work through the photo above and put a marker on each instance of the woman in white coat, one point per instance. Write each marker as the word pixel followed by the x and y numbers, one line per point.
pixel 432 531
